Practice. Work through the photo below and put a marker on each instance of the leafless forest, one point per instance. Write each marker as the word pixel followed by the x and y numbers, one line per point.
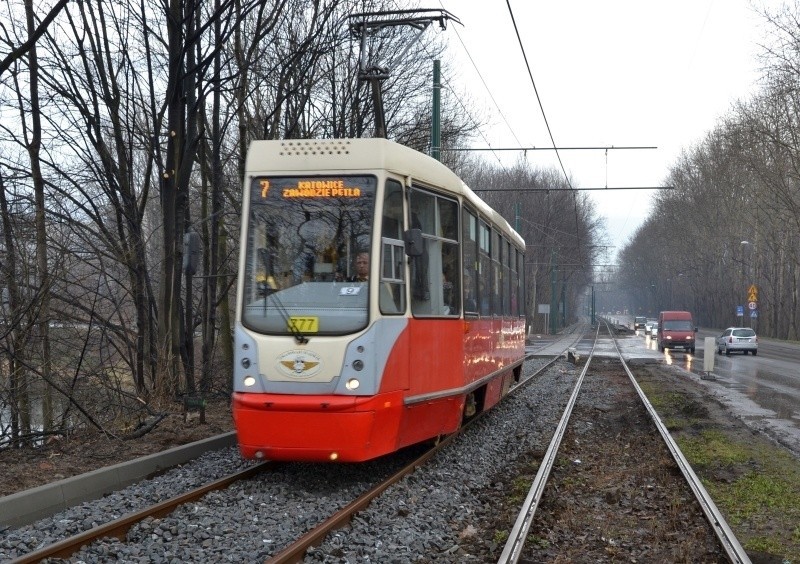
pixel 124 126
pixel 732 220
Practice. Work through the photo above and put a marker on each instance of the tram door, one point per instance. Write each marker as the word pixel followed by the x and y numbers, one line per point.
pixel 435 289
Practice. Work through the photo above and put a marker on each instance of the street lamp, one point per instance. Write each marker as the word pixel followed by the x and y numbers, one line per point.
pixel 653 303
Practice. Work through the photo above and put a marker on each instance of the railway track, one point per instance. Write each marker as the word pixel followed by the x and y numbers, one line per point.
pixel 390 515
pixel 573 455
pixel 120 528
pixel 297 550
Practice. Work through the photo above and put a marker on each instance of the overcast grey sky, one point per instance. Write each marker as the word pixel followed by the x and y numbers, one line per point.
pixel 617 72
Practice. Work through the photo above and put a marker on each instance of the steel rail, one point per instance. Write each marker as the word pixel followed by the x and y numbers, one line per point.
pixel 724 533
pixel 516 539
pixel 119 527
pixel 513 548
pixel 295 552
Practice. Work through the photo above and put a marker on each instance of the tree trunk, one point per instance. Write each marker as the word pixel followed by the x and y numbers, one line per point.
pixel 210 286
pixel 34 146
pixel 172 182
pixel 17 361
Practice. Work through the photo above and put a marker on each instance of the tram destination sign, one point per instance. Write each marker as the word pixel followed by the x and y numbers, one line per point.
pixel 334 188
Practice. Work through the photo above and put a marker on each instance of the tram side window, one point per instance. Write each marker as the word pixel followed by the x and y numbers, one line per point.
pixel 391 293
pixel 451 264
pixel 497 273
pixel 484 269
pixel 451 281
pixel 513 282
pixel 506 277
pixel 433 274
pixel 469 237
pixel 521 274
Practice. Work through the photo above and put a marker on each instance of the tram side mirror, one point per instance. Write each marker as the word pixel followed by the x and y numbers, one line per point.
pixel 413 241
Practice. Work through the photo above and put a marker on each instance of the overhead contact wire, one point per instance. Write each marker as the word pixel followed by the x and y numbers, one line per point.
pixel 544 117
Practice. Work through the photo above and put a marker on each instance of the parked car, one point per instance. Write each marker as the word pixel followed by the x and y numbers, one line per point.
pixel 735 339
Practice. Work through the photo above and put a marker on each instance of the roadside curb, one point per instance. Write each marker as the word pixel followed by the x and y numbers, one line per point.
pixel 27 506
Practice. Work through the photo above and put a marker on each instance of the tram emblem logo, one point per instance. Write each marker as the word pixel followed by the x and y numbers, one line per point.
pixel 299 364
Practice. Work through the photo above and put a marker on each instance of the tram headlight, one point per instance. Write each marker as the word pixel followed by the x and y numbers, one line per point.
pixel 352 384
pixel 249 381
pixel 358 365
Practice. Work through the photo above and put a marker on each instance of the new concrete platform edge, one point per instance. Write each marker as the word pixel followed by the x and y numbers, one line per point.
pixel 30 505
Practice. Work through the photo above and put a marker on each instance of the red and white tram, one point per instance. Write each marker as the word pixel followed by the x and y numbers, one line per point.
pixel 379 302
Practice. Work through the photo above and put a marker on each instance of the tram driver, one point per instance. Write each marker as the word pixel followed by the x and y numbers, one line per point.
pixel 362 268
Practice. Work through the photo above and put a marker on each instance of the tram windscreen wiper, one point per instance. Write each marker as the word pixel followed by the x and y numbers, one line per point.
pixel 296 333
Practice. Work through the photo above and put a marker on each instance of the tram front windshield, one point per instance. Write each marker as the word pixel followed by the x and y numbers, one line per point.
pixel 304 238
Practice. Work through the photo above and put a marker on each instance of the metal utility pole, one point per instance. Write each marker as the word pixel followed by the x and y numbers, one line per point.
pixel 436 123
pixel 371 24
pixel 553 294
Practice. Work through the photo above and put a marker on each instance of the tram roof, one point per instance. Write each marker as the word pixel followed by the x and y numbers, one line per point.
pixel 305 155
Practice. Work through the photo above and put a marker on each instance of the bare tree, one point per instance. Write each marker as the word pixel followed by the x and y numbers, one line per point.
pixel 34 141
pixel 142 133
pixel 17 52
pixel 15 338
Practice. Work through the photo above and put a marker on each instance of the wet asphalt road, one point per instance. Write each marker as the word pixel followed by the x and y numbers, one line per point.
pixel 763 389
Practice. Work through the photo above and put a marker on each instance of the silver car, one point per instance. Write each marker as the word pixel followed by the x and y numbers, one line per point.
pixel 737 339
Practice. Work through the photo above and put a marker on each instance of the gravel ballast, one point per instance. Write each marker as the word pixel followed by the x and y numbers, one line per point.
pixel 424 517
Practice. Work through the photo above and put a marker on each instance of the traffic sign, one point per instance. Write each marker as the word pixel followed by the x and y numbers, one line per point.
pixel 753 314
pixel 752 305
pixel 752 293
pixel 739 311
